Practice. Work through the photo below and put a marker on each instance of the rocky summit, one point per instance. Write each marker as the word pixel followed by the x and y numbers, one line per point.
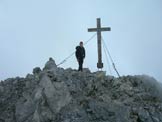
pixel 54 94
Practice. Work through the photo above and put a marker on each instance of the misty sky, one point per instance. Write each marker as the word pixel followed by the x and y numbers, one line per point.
pixel 31 31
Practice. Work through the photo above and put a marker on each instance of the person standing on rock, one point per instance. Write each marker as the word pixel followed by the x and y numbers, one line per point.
pixel 80 55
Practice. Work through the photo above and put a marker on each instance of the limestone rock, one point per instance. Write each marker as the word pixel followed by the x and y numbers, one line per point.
pixel 36 70
pixel 66 95
pixel 50 65
pixel 1 89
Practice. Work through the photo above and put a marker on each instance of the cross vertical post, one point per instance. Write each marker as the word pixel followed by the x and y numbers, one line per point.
pixel 99 29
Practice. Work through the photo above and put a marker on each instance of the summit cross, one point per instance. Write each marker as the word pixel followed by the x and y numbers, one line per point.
pixel 99 29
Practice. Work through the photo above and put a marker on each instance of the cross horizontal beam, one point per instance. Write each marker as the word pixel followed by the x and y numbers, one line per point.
pixel 99 29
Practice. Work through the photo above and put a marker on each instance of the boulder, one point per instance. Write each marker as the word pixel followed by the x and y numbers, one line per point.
pixel 50 65
pixel 36 70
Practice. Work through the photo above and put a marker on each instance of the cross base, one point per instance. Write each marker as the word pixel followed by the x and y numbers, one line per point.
pixel 99 65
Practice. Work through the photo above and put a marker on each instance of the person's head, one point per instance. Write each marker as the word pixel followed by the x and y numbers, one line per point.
pixel 81 44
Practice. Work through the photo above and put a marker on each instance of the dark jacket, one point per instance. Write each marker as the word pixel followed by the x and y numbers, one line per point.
pixel 80 52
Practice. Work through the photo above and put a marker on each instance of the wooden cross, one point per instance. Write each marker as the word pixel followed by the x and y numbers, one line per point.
pixel 99 29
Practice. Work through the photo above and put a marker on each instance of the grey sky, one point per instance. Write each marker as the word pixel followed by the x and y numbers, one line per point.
pixel 31 31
